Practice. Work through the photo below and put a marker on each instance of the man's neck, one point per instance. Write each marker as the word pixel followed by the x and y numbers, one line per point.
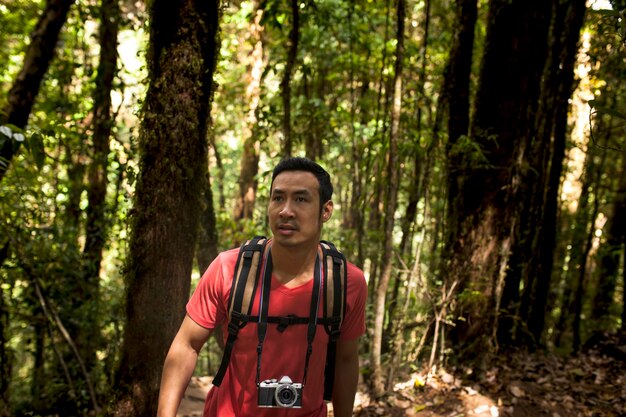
pixel 293 265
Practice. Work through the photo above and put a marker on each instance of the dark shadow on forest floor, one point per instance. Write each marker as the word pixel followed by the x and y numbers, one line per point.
pixel 590 384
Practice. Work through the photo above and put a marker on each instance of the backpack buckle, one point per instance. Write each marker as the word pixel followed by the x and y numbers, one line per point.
pixel 233 328
pixel 283 322
pixel 335 321
pixel 334 334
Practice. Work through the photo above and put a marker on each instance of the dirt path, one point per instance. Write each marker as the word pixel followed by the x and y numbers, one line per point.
pixel 193 401
pixel 591 384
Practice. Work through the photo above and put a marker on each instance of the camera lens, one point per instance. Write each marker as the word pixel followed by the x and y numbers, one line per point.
pixel 286 396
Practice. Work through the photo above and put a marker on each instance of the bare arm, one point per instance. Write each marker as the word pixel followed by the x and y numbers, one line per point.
pixel 346 377
pixel 179 365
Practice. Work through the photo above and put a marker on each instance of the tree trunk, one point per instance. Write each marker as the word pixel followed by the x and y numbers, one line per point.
pixel 39 376
pixel 314 83
pixel 577 307
pixel 88 338
pixel 353 217
pixel 25 88
pixel 415 192
pixel 546 242
pixel 455 97
pixel 583 222
pixel 609 255
pixel 608 268
pixel 407 234
pixel 482 216
pixel 207 233
pixel 76 169
pixel 173 145
pixel 456 90
pixel 5 350
pixel 624 286
pixel 391 203
pixel 285 84
pixel 244 204
pixel 537 199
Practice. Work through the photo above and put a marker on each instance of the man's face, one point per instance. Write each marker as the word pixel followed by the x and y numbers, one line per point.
pixel 294 209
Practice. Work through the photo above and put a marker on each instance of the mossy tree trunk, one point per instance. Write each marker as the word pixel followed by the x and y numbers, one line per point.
pixel 547 164
pixel 483 217
pixel 206 249
pixel 456 89
pixel 166 213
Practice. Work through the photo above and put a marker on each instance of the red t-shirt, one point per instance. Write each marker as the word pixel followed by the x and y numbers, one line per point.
pixel 283 353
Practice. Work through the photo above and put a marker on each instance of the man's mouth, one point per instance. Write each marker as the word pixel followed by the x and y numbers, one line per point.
pixel 286 227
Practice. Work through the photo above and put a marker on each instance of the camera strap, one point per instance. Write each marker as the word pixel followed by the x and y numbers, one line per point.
pixel 264 303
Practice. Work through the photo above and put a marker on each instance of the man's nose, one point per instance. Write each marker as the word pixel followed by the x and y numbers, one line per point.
pixel 286 210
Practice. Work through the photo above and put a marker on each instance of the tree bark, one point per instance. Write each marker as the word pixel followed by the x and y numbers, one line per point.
pixel 378 383
pixel 207 238
pixel 538 197
pixel 568 18
pixel 173 146
pixel 244 205
pixel 25 88
pixel 624 287
pixel 482 216
pixel 314 85
pixel 609 254
pixel 456 91
pixel 353 217
pixel 285 84
pixel 608 268
pixel 577 307
pixel 5 350
pixel 583 222
pixel 455 98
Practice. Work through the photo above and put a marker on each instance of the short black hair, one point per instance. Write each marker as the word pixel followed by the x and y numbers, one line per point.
pixel 305 164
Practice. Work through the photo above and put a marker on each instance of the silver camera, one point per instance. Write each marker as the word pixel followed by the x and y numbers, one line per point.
pixel 280 393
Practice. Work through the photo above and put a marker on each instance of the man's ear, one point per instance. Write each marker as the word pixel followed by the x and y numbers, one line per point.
pixel 327 211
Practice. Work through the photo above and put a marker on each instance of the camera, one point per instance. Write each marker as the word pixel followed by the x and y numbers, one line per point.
pixel 280 393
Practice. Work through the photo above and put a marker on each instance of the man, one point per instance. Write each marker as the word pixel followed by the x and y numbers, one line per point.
pixel 300 202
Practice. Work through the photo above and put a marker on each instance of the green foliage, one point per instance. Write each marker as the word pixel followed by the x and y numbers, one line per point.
pixel 42 210
pixel 17 20
pixel 33 142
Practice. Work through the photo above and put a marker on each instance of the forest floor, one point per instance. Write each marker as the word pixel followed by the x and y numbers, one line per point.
pixel 590 384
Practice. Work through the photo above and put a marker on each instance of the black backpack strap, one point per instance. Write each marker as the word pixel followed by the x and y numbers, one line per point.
pixel 241 296
pixel 283 322
pixel 335 289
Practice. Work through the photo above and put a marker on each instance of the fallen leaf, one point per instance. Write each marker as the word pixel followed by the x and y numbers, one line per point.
pixel 516 391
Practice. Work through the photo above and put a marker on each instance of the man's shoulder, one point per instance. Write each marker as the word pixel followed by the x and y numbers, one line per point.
pixel 355 273
pixel 229 254
pixel 224 263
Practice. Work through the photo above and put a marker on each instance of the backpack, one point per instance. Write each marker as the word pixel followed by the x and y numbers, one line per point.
pixel 252 261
